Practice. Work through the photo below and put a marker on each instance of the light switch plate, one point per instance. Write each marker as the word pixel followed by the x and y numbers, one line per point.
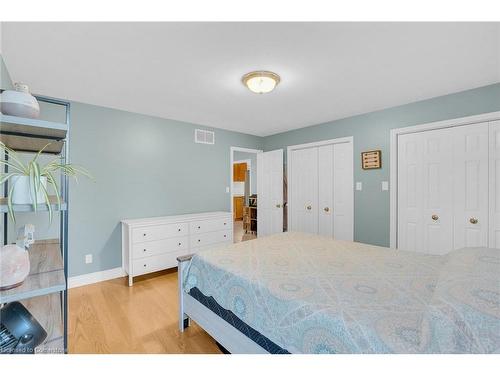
pixel 385 185
pixel 88 258
pixel 227 189
pixel 359 186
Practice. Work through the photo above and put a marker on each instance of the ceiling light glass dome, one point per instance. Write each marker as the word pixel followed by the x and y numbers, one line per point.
pixel 261 82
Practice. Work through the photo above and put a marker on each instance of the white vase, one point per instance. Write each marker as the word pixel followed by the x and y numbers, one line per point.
pixel 19 102
pixel 21 193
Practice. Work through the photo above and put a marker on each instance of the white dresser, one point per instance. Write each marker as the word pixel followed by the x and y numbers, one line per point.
pixel 153 244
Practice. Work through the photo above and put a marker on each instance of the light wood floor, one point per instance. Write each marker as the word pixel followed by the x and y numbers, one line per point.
pixel 110 317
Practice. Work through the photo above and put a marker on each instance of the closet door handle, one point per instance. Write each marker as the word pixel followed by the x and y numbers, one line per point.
pixel 435 217
pixel 326 209
pixel 308 207
pixel 473 220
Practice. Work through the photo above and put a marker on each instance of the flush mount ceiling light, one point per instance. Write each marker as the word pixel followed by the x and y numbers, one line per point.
pixel 261 82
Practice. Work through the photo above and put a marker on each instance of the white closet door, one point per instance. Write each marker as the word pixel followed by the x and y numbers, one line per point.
pixel 269 192
pixel 437 191
pixel 425 192
pixel 470 185
pixel 343 195
pixel 410 193
pixel 304 200
pixel 325 191
pixel 494 188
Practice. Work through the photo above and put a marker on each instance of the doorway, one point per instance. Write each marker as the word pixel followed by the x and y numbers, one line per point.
pixel 243 195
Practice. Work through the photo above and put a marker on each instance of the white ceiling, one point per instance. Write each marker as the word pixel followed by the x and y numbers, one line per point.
pixel 192 71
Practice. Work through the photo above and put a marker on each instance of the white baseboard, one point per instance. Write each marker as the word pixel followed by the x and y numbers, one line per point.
pixel 95 277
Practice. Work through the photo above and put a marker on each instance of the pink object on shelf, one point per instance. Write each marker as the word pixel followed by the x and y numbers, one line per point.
pixel 14 266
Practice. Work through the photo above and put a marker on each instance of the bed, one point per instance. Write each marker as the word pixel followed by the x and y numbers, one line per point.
pixel 303 293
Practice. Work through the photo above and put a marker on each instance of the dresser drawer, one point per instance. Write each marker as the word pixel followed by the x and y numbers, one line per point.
pixel 149 248
pixel 204 239
pixel 204 226
pixel 159 232
pixel 156 262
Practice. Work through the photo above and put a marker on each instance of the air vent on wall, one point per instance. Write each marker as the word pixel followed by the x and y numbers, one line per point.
pixel 204 136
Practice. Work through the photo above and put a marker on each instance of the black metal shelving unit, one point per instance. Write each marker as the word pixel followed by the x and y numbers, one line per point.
pixel 44 293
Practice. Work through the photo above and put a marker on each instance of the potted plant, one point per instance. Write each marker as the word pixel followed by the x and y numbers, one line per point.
pixel 29 181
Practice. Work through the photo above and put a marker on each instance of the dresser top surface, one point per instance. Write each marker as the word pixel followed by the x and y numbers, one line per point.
pixel 177 218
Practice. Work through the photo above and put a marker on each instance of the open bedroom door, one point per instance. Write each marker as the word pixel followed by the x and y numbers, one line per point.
pixel 269 192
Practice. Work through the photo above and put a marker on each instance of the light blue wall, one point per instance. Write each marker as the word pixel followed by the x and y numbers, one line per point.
pixel 371 131
pixel 253 167
pixel 143 166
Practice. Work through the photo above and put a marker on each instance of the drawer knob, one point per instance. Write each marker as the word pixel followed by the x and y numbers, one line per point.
pixel 144 250
pixel 435 217
pixel 473 220
pixel 144 265
pixel 179 244
pixel 144 234
pixel 199 240
pixel 225 223
pixel 224 235
pixel 199 227
pixel 178 230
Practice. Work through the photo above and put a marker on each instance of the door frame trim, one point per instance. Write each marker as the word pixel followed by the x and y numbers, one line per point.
pixel 291 148
pixel 232 149
pixel 393 152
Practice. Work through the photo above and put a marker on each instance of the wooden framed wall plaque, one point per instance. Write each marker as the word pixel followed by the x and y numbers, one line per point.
pixel 371 159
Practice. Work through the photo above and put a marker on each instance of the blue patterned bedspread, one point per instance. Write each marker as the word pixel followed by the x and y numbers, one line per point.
pixel 311 294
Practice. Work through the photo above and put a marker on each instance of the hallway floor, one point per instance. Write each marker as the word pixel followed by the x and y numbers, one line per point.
pixel 239 234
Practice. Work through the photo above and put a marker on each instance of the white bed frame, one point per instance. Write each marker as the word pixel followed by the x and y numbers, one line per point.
pixel 225 334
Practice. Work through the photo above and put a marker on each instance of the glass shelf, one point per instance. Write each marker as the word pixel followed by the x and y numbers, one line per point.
pixel 29 208
pixel 46 273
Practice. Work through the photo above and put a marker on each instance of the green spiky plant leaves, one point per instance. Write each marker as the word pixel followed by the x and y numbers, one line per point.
pixel 36 173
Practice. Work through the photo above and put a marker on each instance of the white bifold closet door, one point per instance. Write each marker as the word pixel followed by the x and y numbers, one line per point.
pixel 269 192
pixel 303 201
pixel 425 220
pixel 443 189
pixel 470 185
pixel 321 195
pixel 494 195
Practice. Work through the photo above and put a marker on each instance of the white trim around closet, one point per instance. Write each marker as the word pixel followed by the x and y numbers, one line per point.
pixel 289 149
pixel 485 117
